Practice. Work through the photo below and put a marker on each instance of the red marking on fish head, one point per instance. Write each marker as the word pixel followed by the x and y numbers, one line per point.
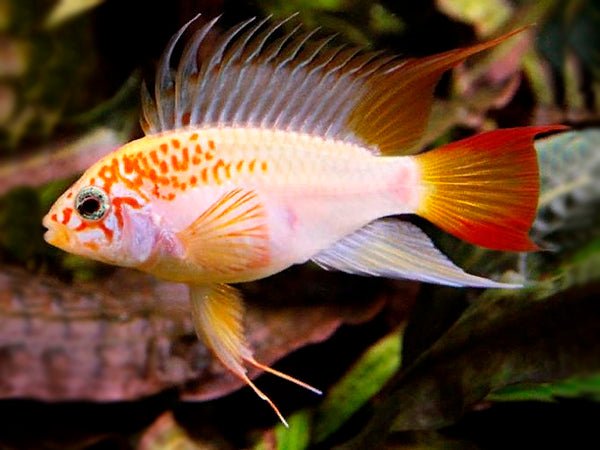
pixel 66 215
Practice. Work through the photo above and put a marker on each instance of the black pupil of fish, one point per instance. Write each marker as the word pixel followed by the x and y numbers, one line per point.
pixel 89 206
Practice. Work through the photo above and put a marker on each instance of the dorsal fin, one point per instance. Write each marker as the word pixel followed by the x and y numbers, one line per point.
pixel 250 77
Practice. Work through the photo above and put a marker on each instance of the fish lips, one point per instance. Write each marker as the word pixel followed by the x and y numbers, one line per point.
pixel 57 234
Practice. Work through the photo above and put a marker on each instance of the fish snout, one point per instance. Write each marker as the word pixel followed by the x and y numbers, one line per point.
pixel 57 234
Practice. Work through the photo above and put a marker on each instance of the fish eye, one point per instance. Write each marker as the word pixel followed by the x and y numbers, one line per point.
pixel 91 203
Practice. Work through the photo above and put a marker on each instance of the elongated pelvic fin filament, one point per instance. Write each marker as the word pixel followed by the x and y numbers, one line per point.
pixel 279 374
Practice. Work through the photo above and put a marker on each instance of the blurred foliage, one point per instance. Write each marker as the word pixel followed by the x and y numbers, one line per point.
pixel 583 386
pixel 64 98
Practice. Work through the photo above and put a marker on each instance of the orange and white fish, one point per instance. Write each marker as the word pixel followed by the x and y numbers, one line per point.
pixel 274 150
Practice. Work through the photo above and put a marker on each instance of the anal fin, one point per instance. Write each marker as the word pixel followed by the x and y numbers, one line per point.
pixel 217 313
pixel 396 249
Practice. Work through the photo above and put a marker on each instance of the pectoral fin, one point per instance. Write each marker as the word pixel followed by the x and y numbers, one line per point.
pixel 395 249
pixel 230 236
pixel 217 313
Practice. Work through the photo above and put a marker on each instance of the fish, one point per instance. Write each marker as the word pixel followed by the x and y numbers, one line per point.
pixel 265 148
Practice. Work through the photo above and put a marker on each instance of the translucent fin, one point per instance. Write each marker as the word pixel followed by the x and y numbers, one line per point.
pixel 484 189
pixel 217 313
pixel 230 236
pixel 254 76
pixel 392 248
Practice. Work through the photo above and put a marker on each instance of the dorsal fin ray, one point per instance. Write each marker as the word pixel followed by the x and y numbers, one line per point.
pixel 250 77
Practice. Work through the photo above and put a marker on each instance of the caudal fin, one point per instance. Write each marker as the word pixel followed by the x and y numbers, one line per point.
pixel 484 189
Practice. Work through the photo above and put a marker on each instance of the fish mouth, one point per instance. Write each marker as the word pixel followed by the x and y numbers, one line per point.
pixel 57 234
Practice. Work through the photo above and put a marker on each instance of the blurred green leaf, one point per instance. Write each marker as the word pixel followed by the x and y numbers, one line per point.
pixel 587 386
pixel 359 384
pixel 296 437
pixel 20 225
pixel 64 10
pixel 485 15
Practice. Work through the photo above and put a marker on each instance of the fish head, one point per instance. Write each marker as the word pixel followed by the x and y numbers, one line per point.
pixel 107 222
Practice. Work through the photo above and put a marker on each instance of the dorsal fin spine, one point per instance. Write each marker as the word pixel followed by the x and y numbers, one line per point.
pixel 187 69
pixel 238 51
pixel 271 52
pixel 281 113
pixel 217 61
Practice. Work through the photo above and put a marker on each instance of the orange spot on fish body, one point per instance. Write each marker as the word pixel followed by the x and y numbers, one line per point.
pixel 228 171
pixel 54 218
pixel 263 166
pixel 70 194
pixel 209 156
pixel 145 163
pixel 171 196
pixel 155 191
pixel 239 166
pixel 92 246
pixel 204 175
pixel 211 144
pixel 174 163
pixel 196 160
pixel 153 175
pixel 128 166
pixel 109 174
pixel 193 180
pixel 163 167
pixel 175 143
pixel 251 165
pixel 198 149
pixel 164 148
pixel 194 137
pixel 215 170
pixel 154 157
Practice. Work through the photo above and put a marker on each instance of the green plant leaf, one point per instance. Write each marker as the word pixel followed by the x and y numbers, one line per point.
pixel 359 384
pixel 585 386
pixel 296 437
